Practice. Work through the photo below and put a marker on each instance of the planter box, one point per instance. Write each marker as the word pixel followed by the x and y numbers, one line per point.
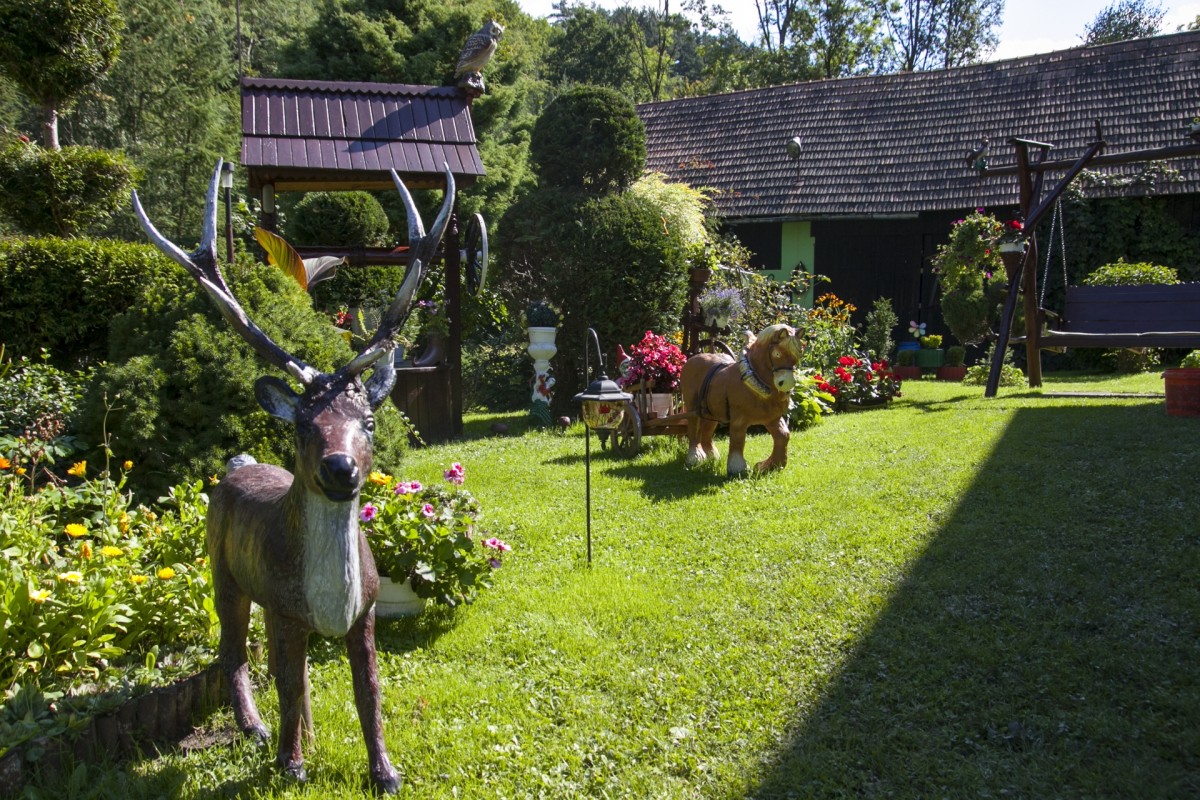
pixel 945 373
pixel 928 358
pixel 424 394
pixel 1183 391
pixel 909 373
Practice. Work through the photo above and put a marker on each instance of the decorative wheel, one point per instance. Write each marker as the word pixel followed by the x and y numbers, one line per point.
pixel 714 346
pixel 627 437
pixel 475 254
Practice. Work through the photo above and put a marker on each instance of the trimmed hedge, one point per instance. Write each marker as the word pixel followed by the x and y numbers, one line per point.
pixel 62 192
pixel 589 139
pixel 353 219
pixel 61 294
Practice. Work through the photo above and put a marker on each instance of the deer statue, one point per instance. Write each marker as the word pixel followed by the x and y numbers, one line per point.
pixel 291 542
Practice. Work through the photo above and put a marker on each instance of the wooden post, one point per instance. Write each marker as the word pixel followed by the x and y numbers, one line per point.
pixel 453 261
pixel 1033 353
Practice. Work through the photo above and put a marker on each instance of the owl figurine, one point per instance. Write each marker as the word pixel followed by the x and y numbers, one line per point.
pixel 475 55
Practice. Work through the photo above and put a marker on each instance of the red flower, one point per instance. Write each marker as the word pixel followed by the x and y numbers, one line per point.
pixel 846 361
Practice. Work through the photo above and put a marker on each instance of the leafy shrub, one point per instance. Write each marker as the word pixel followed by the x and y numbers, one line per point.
pixel 496 373
pixel 877 333
pixel 92 583
pixel 589 139
pixel 1191 360
pixel 32 391
pixel 809 402
pixel 828 334
pixel 62 192
pixel 1010 374
pixel 353 219
pixel 1140 274
pixel 60 295
pixel 178 394
pixel 955 356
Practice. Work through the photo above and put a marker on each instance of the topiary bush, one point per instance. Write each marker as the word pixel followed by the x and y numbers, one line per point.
pixel 1139 274
pixel 353 219
pixel 177 397
pixel 589 139
pixel 61 294
pixel 62 192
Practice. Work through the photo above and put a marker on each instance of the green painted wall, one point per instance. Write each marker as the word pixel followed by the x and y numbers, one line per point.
pixel 797 246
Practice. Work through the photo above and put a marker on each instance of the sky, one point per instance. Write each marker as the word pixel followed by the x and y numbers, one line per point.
pixel 1030 26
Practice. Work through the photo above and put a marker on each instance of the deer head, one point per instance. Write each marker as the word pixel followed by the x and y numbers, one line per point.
pixel 332 415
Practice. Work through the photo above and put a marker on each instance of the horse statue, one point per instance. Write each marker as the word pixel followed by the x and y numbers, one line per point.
pixel 753 389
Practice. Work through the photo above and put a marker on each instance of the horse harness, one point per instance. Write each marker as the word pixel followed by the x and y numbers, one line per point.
pixel 749 377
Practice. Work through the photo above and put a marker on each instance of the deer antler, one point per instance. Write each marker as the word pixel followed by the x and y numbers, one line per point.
pixel 202 264
pixel 422 248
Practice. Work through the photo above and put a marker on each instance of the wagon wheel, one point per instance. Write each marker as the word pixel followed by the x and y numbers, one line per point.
pixel 627 436
pixel 475 254
pixel 714 346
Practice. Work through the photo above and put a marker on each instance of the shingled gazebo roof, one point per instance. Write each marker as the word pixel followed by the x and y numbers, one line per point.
pixel 894 144
pixel 316 135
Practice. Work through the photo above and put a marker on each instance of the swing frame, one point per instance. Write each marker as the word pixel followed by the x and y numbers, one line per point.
pixel 1093 316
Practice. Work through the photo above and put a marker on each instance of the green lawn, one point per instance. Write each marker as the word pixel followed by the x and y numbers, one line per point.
pixel 955 597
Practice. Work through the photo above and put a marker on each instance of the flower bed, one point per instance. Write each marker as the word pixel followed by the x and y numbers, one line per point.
pixel 859 382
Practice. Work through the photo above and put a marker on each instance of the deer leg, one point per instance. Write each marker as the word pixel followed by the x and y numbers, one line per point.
pixel 360 646
pixel 289 640
pixel 736 465
pixel 233 610
pixel 779 436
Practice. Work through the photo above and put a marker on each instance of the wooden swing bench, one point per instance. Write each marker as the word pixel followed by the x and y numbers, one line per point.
pixel 1124 316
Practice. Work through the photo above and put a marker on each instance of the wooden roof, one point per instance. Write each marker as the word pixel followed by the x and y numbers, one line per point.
pixel 895 144
pixel 315 135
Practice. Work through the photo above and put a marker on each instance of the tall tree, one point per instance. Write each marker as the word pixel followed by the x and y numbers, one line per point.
pixel 588 46
pixel 54 49
pixel 846 38
pixel 933 34
pixel 1124 19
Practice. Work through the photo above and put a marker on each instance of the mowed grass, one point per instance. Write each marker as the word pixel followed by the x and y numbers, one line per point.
pixel 954 597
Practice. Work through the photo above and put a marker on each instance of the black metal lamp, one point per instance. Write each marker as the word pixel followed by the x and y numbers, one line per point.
pixel 603 408
pixel 227 186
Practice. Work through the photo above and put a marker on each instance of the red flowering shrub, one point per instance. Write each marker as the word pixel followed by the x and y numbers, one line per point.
pixel 857 380
pixel 655 361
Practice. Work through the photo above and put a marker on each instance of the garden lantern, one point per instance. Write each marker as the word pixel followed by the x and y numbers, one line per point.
pixel 603 407
pixel 227 187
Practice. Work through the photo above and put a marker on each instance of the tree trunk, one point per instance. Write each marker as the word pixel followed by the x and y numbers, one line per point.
pixel 50 128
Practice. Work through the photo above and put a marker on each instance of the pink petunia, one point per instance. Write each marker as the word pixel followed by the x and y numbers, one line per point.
pixel 428 511
pixel 401 489
pixel 367 512
pixel 456 474
pixel 415 486
pixel 497 544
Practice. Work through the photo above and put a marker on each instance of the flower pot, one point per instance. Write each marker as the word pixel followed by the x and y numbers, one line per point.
pixel 928 357
pixel 435 351
pixel 541 335
pixel 907 373
pixel 1183 391
pixel 955 373
pixel 659 405
pixel 397 599
pixel 716 320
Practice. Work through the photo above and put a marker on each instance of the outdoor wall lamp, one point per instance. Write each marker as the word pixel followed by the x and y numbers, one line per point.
pixel 227 187
pixel 793 148
pixel 603 408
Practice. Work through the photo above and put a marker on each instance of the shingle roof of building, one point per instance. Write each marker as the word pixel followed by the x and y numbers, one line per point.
pixel 308 134
pixel 890 144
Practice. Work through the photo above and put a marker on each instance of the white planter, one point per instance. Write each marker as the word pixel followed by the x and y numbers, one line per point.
pixel 1012 247
pixel 660 404
pixel 397 599
pixel 541 335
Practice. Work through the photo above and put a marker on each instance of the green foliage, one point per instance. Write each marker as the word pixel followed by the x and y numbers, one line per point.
pixel 877 333
pixel 766 300
pixel 352 219
pixel 60 295
pixel 33 392
pixel 1122 274
pixel 1010 374
pixel 178 394
pixel 828 334
pixel 365 287
pixel 931 342
pixel 428 534
pixel 53 49
pixel 91 582
pixel 496 372
pixel 955 356
pixel 589 139
pixel 542 314
pixel 1191 360
pixel 971 276
pixel 906 358
pixel 809 402
pixel 1124 19
pixel 682 207
pixel 62 192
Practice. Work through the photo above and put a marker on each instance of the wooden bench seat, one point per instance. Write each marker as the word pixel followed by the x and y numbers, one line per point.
pixel 1128 316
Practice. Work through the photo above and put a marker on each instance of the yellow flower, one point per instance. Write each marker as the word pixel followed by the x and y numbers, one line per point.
pixel 39 595
pixel 111 552
pixel 4 463
pixel 78 469
pixel 75 530
pixel 150 515
pixel 73 576
pixel 137 580
pixel 380 478
pixel 123 523
pixel 128 465
pixel 85 550
pixel 166 573
pixel 20 470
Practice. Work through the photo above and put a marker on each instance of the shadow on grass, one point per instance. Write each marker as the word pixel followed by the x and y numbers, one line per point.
pixel 1044 644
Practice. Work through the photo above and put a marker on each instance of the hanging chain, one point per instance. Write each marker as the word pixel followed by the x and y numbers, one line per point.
pixel 1054 222
pixel 1062 242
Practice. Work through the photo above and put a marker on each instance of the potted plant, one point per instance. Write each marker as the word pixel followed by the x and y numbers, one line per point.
pixel 652 365
pixel 720 307
pixel 930 354
pixel 954 368
pixel 1183 387
pixel 425 542
pixel 541 324
pixel 906 368
pixel 857 383
pixel 434 327
pixel 541 320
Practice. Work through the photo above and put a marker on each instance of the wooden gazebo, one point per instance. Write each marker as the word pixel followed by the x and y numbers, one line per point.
pixel 301 136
